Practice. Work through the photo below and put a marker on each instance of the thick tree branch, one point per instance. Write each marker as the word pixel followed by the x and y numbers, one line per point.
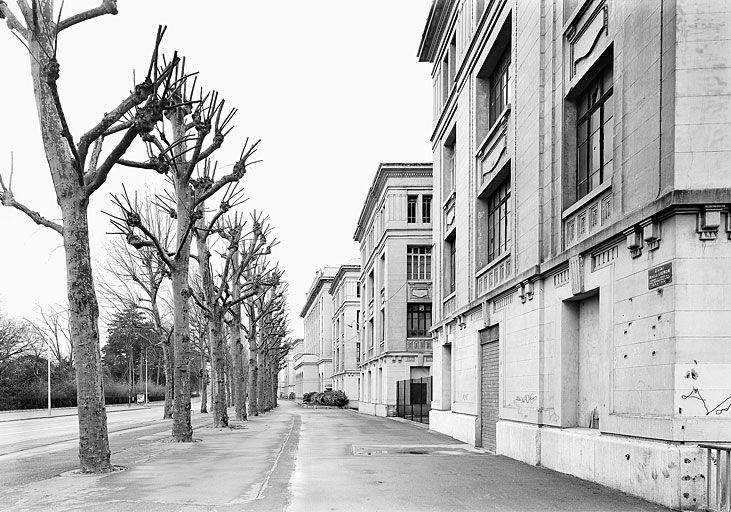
pixel 94 180
pixel 13 22
pixel 106 7
pixel 7 199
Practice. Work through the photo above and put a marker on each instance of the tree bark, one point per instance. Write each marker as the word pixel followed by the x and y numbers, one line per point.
pixel 253 380
pixel 94 452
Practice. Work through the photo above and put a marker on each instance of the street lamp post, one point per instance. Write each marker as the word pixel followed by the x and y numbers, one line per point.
pixel 48 358
pixel 147 399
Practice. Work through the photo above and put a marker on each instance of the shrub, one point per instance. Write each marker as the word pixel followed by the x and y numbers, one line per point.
pixel 307 397
pixel 291 395
pixel 329 397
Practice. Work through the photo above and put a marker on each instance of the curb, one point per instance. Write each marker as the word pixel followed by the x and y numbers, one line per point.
pixel 67 415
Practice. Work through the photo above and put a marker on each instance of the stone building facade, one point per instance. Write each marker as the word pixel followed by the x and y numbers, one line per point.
pixel 286 373
pixel 394 233
pixel 313 369
pixel 582 235
pixel 345 291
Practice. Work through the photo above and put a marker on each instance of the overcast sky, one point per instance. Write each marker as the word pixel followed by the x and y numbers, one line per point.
pixel 332 87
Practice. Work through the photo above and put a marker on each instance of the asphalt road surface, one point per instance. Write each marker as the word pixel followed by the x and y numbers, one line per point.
pixel 36 448
pixel 291 459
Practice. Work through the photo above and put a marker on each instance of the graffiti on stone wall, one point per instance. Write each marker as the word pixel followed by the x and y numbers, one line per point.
pixel 695 394
pixel 527 399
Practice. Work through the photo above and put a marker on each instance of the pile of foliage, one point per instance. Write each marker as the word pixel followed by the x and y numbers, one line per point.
pixel 329 397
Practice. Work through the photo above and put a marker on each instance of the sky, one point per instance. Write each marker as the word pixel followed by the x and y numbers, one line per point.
pixel 331 87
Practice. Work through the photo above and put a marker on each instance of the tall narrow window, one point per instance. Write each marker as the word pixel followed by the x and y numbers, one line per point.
pixel 418 262
pixel 450 274
pixel 418 320
pixel 411 209
pixel 383 325
pixel 357 320
pixel 498 221
pixel 594 137
pixel 425 209
pixel 357 290
pixel 449 165
pixel 499 87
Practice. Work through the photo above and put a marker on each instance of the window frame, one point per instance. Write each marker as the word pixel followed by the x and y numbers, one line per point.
pixel 418 262
pixel 412 201
pixel 426 201
pixel 418 319
pixel 498 221
pixel 499 81
pixel 596 98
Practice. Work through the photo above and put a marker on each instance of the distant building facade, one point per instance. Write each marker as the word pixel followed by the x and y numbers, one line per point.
pixel 394 232
pixel 287 379
pixel 345 291
pixel 582 176
pixel 315 364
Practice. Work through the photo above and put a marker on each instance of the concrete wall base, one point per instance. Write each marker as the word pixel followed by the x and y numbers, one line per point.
pixel 670 474
pixel 382 410
pixel 463 427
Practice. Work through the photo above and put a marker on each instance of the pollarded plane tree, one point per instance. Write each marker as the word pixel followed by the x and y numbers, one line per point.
pixel 139 275
pixel 258 310
pixel 78 168
pixel 273 331
pixel 247 270
pixel 181 147
pixel 219 296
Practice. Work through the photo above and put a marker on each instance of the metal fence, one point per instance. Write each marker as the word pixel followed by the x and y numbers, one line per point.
pixel 718 486
pixel 413 399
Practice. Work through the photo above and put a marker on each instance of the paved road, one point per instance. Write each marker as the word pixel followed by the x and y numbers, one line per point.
pixel 305 460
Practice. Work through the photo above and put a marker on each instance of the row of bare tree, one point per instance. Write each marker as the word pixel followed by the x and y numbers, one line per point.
pixel 169 126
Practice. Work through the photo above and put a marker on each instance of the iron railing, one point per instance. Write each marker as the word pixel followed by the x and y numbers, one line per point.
pixel 718 487
pixel 413 399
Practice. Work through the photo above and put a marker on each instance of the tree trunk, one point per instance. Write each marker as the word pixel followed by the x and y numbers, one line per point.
pixel 94 452
pixel 220 413
pixel 237 348
pixel 204 384
pixel 182 427
pixel 253 380
pixel 260 386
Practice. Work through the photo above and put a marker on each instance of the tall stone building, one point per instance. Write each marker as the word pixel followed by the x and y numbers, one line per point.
pixel 345 291
pixel 313 369
pixel 582 253
pixel 287 373
pixel 394 232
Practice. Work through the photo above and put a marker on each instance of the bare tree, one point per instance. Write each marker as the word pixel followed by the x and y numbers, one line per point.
pixel 52 329
pixel 180 144
pixel 258 309
pixel 218 298
pixel 142 271
pixel 15 340
pixel 78 169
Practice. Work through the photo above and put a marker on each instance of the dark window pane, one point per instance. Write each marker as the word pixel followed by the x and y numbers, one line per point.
pixel 583 163
pixel 583 132
pixel 608 149
pixel 595 156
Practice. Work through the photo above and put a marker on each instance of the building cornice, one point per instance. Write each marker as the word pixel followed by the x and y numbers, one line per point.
pixel 433 29
pixel 321 279
pixel 340 275
pixel 386 171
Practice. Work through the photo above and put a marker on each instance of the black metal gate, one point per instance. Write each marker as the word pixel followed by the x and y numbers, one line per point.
pixel 413 399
